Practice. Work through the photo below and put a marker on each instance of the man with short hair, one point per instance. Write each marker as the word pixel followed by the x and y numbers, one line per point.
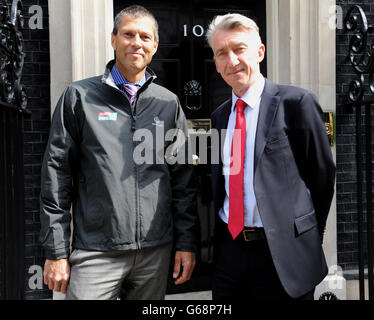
pixel 273 188
pixel 126 213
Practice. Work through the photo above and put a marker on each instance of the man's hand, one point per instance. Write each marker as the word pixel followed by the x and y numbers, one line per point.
pixel 187 261
pixel 57 274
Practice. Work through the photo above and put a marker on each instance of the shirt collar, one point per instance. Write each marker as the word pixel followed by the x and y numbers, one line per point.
pixel 252 95
pixel 119 79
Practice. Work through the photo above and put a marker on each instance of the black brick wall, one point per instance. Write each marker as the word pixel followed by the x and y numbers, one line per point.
pixel 36 79
pixel 347 227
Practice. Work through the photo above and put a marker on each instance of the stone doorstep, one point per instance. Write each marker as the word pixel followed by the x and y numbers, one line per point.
pixel 201 295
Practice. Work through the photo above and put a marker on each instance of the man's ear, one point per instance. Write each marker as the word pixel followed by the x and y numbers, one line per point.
pixel 261 53
pixel 214 58
pixel 113 40
pixel 155 47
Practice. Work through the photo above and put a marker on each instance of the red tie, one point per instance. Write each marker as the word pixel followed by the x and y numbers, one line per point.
pixel 236 183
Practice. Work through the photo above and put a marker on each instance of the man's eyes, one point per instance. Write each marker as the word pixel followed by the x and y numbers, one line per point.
pixel 145 37
pixel 240 49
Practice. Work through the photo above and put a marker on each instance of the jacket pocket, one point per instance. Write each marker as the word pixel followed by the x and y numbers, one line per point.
pixel 72 255
pixel 305 223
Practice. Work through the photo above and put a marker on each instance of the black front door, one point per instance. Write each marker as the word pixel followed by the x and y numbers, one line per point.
pixel 184 64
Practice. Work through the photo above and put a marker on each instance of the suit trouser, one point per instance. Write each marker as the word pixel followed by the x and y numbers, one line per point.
pixel 100 275
pixel 245 270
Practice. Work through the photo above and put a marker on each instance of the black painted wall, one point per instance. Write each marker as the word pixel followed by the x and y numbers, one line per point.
pixel 347 235
pixel 36 79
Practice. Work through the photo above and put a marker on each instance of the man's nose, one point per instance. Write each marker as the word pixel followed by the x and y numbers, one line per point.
pixel 233 59
pixel 136 41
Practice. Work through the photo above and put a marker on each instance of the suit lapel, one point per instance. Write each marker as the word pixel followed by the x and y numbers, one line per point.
pixel 223 117
pixel 222 121
pixel 268 108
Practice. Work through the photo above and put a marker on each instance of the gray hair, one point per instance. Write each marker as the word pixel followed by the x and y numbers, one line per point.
pixel 230 21
pixel 137 12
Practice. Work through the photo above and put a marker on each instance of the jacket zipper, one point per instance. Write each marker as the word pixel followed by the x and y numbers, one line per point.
pixel 137 215
pixel 137 200
pixel 133 128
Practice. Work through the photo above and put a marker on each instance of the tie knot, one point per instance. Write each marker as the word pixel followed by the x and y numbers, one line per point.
pixel 240 105
pixel 131 90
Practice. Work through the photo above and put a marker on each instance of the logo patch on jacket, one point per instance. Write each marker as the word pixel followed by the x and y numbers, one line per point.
pixel 108 116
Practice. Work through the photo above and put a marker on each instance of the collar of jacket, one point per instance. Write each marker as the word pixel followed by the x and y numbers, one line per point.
pixel 108 79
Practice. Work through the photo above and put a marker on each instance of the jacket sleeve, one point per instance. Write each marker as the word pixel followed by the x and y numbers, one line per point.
pixel 314 157
pixel 57 180
pixel 183 186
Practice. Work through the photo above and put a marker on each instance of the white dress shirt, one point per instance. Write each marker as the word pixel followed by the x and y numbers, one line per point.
pixel 253 99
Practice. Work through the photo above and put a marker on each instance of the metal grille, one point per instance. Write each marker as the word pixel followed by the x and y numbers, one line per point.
pixel 12 111
pixel 361 97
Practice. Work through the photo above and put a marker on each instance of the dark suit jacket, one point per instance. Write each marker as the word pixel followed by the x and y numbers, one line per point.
pixel 294 176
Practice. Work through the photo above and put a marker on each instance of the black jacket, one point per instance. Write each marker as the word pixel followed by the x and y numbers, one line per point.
pixel 93 162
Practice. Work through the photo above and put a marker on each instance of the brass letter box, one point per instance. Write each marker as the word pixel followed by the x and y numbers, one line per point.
pixel 330 128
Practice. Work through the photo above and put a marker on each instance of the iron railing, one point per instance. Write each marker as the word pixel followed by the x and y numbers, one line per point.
pixel 361 97
pixel 13 103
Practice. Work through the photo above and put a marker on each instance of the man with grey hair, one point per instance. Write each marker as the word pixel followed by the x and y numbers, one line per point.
pixel 126 214
pixel 272 212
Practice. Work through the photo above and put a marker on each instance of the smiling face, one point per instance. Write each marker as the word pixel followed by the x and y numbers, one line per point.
pixel 237 55
pixel 135 45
